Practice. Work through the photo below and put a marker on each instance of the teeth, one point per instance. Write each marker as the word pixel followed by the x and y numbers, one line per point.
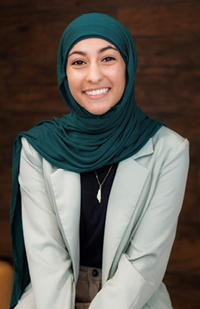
pixel 97 92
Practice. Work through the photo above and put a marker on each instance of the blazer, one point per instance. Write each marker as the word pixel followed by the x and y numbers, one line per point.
pixel 143 208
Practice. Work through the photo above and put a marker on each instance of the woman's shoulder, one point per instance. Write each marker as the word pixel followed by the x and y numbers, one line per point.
pixel 163 147
pixel 169 139
pixel 167 144
pixel 30 154
pixel 34 158
pixel 28 149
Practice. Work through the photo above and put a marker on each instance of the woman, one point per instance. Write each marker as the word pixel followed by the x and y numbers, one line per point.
pixel 100 190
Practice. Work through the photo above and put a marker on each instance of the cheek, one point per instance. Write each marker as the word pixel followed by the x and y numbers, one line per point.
pixel 74 78
pixel 121 81
pixel 72 81
pixel 120 75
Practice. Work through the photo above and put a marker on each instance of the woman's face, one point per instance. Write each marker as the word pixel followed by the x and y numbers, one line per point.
pixel 96 74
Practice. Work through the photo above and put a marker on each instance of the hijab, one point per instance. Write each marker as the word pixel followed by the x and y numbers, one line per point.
pixel 81 141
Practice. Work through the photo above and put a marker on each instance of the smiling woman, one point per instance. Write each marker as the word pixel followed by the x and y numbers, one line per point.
pixel 96 74
pixel 97 193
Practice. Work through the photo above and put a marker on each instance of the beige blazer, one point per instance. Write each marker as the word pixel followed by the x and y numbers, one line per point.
pixel 143 209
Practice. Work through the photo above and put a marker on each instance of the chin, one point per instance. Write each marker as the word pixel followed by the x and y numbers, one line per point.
pixel 98 111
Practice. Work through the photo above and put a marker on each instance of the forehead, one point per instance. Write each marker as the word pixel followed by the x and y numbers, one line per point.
pixel 91 43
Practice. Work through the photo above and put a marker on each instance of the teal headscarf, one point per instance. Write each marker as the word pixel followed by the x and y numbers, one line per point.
pixel 82 141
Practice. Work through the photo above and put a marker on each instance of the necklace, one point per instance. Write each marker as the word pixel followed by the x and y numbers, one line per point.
pixel 101 184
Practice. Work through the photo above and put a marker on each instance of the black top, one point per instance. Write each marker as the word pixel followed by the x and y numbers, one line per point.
pixel 93 215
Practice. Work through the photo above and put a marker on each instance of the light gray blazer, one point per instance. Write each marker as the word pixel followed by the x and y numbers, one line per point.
pixel 143 209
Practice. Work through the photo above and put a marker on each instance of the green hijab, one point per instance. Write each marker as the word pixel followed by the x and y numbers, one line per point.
pixel 82 141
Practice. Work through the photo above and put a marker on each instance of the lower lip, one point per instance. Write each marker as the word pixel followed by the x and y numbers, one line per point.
pixel 96 97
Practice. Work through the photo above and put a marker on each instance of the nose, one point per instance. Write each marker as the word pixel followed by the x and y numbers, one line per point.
pixel 94 73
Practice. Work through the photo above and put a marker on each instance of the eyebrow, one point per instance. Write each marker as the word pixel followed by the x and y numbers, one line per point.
pixel 101 50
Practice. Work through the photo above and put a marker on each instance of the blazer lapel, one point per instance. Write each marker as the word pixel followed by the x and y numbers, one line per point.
pixel 122 207
pixel 68 211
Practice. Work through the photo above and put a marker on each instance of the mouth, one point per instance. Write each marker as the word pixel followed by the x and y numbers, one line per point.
pixel 97 91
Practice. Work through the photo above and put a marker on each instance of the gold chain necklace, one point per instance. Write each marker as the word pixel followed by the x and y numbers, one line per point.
pixel 101 184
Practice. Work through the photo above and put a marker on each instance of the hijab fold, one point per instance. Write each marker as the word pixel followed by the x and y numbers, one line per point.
pixel 82 141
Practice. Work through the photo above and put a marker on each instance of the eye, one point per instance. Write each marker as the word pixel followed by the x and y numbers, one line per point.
pixel 78 62
pixel 108 59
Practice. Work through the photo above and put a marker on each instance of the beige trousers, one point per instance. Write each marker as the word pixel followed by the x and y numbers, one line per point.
pixel 88 285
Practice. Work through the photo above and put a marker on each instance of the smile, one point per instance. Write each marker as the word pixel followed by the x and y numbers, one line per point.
pixel 97 92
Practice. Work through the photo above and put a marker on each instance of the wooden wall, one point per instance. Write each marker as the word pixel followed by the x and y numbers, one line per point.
pixel 166 34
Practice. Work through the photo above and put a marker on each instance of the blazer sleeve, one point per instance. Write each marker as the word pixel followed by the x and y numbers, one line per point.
pixel 48 260
pixel 141 269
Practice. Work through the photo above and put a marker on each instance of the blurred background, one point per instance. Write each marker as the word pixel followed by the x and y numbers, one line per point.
pixel 166 34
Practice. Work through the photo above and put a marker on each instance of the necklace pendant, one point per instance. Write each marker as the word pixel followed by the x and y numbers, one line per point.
pixel 101 184
pixel 99 195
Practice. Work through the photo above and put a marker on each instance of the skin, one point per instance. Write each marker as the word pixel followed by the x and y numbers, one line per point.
pixel 96 74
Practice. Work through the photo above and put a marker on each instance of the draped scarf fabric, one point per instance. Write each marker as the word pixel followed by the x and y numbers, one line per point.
pixel 82 141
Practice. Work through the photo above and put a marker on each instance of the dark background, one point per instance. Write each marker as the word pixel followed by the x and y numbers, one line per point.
pixel 166 34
